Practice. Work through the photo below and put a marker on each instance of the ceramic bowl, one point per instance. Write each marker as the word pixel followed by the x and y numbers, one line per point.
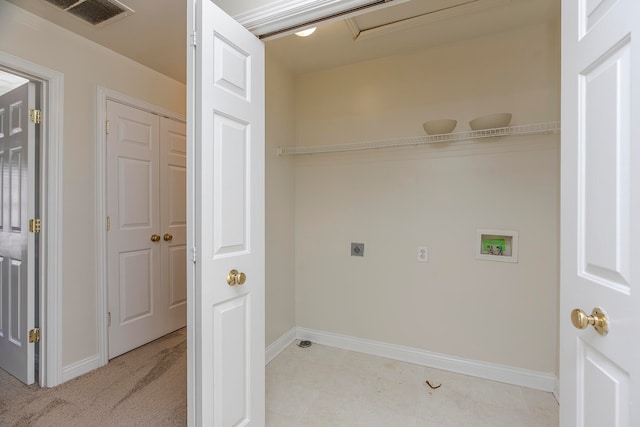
pixel 491 121
pixel 438 127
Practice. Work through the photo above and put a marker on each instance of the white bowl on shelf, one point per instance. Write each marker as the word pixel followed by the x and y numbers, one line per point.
pixel 491 121
pixel 438 127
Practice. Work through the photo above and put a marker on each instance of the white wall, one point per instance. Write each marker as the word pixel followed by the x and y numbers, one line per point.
pixel 85 65
pixel 394 200
pixel 280 272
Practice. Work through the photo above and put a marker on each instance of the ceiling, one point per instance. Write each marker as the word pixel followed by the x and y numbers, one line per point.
pixel 155 35
pixel 406 27
pixel 8 82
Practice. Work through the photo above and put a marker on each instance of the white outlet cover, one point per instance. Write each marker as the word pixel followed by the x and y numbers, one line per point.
pixel 423 254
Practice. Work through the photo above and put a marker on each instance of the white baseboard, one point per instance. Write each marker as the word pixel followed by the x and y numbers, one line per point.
pixel 556 390
pixel 80 367
pixel 507 374
pixel 280 344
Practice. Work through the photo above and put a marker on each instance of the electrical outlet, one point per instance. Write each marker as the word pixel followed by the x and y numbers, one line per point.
pixel 357 249
pixel 423 254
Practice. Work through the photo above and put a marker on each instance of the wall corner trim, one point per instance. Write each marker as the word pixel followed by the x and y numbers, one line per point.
pixel 276 347
pixel 543 381
pixel 81 367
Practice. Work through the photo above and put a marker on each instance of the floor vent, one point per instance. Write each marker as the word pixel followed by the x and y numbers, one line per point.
pixel 95 12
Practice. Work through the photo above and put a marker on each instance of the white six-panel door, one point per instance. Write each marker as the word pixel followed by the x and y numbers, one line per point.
pixel 17 248
pixel 146 207
pixel 600 265
pixel 133 191
pixel 226 230
pixel 173 219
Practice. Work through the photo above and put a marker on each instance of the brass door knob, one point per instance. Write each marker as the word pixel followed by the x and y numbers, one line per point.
pixel 236 278
pixel 598 320
pixel 155 238
pixel 167 237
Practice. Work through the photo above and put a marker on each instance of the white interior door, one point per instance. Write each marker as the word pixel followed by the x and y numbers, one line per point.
pixel 226 210
pixel 17 248
pixel 600 268
pixel 146 207
pixel 173 218
pixel 133 178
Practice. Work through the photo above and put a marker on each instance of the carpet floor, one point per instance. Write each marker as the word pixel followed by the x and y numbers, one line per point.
pixel 145 387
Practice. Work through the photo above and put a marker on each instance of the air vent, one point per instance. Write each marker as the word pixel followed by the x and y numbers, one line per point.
pixel 94 12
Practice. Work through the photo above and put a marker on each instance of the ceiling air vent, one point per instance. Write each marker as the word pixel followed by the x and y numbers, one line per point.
pixel 95 12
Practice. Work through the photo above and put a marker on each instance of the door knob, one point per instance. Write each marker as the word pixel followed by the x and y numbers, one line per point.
pixel 598 320
pixel 236 278
pixel 167 237
pixel 155 238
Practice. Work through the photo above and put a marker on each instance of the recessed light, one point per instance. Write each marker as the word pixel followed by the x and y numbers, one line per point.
pixel 307 32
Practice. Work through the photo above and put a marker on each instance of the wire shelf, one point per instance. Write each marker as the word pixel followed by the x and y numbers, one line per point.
pixel 538 128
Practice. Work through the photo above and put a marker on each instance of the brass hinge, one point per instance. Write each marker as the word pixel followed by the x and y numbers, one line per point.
pixel 34 335
pixel 35 116
pixel 108 223
pixel 35 225
pixel 107 127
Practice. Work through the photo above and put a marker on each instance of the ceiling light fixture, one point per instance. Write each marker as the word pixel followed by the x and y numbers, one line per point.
pixel 307 32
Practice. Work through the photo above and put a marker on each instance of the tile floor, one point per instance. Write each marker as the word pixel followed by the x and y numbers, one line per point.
pixel 325 386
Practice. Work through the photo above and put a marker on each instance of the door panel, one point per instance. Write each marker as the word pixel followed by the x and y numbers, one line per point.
pixel 136 289
pixel 606 389
pixel 226 207
pixel 133 148
pixel 177 277
pixel 231 391
pixel 599 219
pixel 136 184
pixel 605 202
pixel 17 245
pixel 230 222
pixel 173 159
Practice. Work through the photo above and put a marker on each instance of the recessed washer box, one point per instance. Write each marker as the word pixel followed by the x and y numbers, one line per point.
pixel 497 245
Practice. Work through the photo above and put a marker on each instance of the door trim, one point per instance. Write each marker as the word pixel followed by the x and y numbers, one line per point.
pixel 104 95
pixel 51 250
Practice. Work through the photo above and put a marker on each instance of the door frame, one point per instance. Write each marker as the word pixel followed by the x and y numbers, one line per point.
pixel 102 303
pixel 51 89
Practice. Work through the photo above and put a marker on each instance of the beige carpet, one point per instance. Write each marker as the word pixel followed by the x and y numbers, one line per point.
pixel 145 387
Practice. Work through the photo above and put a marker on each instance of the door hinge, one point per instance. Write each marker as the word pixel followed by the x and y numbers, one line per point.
pixel 34 335
pixel 108 223
pixel 192 41
pixel 193 254
pixel 35 225
pixel 35 116
pixel 107 127
pixel 109 319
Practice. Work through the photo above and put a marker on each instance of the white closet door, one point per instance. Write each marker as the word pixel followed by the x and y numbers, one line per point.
pixel 133 206
pixel 173 201
pixel 600 369
pixel 226 210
